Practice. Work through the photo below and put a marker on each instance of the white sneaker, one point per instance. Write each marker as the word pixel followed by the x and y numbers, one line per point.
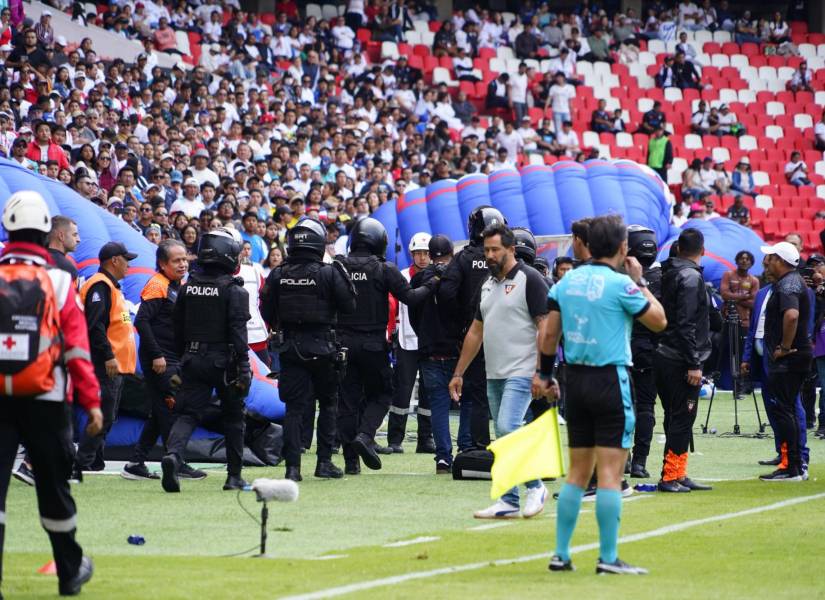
pixel 534 503
pixel 562 421
pixel 499 510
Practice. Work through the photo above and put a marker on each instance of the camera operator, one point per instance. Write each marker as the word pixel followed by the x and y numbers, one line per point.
pixel 740 287
pixel 684 347
pixel 816 264
pixel 642 246
pixel 788 346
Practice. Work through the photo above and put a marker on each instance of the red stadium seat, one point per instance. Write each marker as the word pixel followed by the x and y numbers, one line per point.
pixel 749 49
pixel 730 48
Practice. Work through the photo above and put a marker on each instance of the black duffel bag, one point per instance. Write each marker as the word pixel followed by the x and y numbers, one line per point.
pixel 473 464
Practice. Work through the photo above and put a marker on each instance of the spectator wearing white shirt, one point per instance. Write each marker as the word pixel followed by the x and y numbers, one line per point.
pixel 796 172
pixel 568 139
pixel 344 36
pixel 802 79
pixel 503 160
pixel 707 175
pixel 510 140
pixel 558 100
pixel 528 136
pixel 687 49
pixel 699 119
pixel 565 63
pixel 728 123
pixel 819 133
pixel 689 16
pixel 518 91
pixel 190 204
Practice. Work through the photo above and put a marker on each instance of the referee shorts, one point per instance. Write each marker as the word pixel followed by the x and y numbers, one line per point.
pixel 599 406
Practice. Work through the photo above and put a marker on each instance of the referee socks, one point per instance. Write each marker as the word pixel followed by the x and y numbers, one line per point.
pixel 608 515
pixel 567 513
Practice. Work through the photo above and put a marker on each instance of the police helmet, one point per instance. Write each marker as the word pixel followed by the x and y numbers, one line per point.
pixel 221 248
pixel 641 244
pixel 480 219
pixel 541 265
pixel 525 244
pixel 308 236
pixel 370 235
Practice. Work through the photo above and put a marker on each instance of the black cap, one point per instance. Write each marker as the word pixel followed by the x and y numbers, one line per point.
pixel 251 214
pixel 440 245
pixel 283 210
pixel 112 249
pixel 816 259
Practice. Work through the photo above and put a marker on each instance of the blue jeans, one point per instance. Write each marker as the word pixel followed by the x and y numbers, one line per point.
pixel 509 400
pixel 435 379
pixel 558 119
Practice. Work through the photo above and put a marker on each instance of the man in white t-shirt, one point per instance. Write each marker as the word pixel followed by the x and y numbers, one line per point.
pixel 569 139
pixel 558 100
pixel 518 91
pixel 190 204
pixel 796 172
pixel 819 133
pixel 510 140
pixel 728 121
pixel 528 135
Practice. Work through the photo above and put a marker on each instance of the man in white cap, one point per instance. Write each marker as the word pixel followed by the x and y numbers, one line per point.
pixel 43 29
pixel 789 353
pixel 190 204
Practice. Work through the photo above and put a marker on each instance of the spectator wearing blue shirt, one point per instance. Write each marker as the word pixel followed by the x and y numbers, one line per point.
pixel 249 234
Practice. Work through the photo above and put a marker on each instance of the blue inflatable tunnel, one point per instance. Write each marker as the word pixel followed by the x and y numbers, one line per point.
pixel 547 199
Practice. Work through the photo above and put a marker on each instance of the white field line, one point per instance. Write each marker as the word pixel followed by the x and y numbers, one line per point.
pixel 418 540
pixel 636 537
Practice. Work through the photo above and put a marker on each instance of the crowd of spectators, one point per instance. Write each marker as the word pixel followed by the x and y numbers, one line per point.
pixel 293 118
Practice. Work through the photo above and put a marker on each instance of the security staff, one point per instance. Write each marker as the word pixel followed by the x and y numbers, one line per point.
pixel 158 359
pixel 642 246
pixel 112 340
pixel 42 421
pixel 458 293
pixel 683 348
pixel 367 386
pixel 301 299
pixel 408 364
pixel 210 319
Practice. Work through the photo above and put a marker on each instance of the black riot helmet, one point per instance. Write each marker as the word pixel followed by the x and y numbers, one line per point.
pixel 307 238
pixel 525 245
pixel 220 248
pixel 480 219
pixel 370 235
pixel 641 244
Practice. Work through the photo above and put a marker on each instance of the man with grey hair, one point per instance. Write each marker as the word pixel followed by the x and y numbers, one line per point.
pixel 158 358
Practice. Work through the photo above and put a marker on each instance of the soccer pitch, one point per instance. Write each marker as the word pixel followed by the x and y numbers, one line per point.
pixel 403 532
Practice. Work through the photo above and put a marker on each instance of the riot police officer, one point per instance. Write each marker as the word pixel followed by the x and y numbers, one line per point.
pixel 367 386
pixel 301 301
pixel 642 245
pixel 458 293
pixel 210 317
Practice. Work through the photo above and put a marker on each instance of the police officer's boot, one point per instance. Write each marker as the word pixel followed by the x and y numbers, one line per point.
pixel 169 465
pixel 234 482
pixel 365 447
pixel 325 469
pixel 352 466
pixel 294 473
pixel 638 469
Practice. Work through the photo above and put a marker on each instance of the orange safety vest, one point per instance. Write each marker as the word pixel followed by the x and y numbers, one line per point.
pixel 120 332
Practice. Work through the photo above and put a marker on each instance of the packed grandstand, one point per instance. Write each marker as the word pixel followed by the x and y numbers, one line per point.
pixel 199 108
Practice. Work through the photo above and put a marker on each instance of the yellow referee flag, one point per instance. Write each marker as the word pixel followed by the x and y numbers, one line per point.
pixel 530 452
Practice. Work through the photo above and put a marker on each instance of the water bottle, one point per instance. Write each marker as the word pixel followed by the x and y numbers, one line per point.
pixel 645 487
pixel 136 540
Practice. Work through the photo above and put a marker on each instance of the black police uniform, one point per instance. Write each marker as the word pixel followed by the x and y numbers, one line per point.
pixel 459 291
pixel 210 318
pixel 642 245
pixel 302 299
pixel 367 386
pixel 643 343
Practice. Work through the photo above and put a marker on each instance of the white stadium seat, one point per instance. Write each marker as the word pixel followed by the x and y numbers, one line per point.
pixel 673 94
pixel 182 42
pixel 803 121
pixel 644 104
pixel 748 142
pixel 807 50
pixel 761 178
pixel 746 96
pixel 656 46
pixel 442 75
pixel 388 49
pixel 774 132
pixel 693 142
pixel 647 58
pixel 819 97
pixel 774 108
pixel 720 60
pixel 764 202
pixel 819 167
pixel 820 191
pixel 624 140
pixel 702 36
pixel 720 37
pixel 785 73
pixel 505 52
pixel 739 60
pixel 314 10
pixel 329 11
pixel 727 96
pixel 590 139
pixel 720 153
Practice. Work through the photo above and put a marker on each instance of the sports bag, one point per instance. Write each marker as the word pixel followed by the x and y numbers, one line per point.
pixel 473 464
pixel 30 339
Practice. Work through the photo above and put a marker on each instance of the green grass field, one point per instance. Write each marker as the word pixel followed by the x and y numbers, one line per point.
pixel 335 535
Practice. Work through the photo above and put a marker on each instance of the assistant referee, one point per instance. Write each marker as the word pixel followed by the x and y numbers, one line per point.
pixel 594 307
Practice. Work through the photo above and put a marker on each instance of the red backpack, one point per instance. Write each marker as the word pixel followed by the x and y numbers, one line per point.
pixel 31 344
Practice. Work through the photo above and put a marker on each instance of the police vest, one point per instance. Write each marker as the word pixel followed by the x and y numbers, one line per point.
pixel 302 299
pixel 120 333
pixel 207 307
pixel 372 311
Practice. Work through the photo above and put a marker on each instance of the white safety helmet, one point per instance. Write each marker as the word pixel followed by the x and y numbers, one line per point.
pixel 420 241
pixel 26 209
